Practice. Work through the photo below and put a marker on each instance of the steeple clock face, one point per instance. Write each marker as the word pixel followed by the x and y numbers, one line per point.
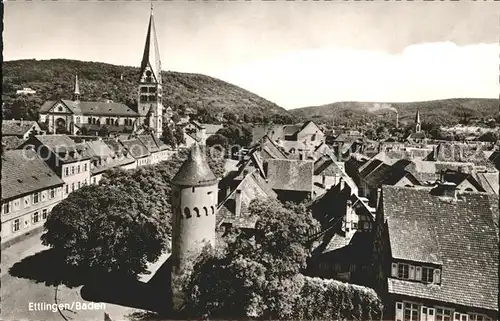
pixel 148 76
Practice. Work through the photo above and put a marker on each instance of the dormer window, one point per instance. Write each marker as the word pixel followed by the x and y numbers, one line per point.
pixel 403 271
pixel 425 274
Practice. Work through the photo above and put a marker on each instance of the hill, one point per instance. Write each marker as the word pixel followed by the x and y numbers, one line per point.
pixel 54 79
pixel 440 112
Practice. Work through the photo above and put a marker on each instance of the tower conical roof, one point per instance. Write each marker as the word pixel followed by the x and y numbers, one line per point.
pixel 151 56
pixel 195 170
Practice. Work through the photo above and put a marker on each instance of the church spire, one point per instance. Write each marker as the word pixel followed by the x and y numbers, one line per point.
pixel 76 93
pixel 417 122
pixel 151 57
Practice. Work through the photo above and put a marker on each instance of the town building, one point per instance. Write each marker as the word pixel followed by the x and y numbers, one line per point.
pixel 436 253
pixel 86 117
pixel 418 136
pixel 137 150
pixel 20 128
pixel 25 91
pixel 30 189
pixel 104 158
pixel 70 161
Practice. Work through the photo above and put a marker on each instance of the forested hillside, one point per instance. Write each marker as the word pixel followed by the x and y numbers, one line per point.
pixel 439 112
pixel 52 79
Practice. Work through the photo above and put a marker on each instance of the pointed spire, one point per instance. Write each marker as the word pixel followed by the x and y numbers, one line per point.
pixel 195 170
pixel 417 117
pixel 76 93
pixel 151 56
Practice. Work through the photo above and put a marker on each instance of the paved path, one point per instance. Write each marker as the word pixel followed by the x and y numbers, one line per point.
pixel 19 295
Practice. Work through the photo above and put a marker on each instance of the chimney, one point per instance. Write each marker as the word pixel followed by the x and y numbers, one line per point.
pixel 341 183
pixel 237 202
pixel 203 135
pixel 435 152
pixel 397 119
pixel 347 226
pixel 377 200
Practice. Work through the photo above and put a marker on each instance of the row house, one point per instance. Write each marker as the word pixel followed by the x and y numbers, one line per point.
pixel 158 150
pixel 69 160
pixel 20 128
pixel 137 150
pixel 104 158
pixel 30 189
pixel 436 253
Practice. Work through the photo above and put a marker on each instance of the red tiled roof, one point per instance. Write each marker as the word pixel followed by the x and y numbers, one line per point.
pixel 462 235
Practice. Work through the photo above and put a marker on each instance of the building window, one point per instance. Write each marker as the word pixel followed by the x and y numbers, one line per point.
pixel 27 202
pixel 26 223
pixel 72 170
pixel 78 169
pixel 403 271
pixel 461 317
pixel 478 317
pixel 52 193
pixel 44 214
pixel 85 182
pixel 443 314
pixel 35 218
pixel 6 208
pixel 77 120
pixel 67 189
pixel 427 274
pixel 36 198
pixel 410 312
pixel 79 185
pixel 72 187
pixel 93 180
pixel 16 225
pixel 84 167
pixel 187 213
pixel 66 171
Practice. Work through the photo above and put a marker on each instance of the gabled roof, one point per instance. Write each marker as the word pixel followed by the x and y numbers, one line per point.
pixel 24 172
pixel 195 170
pixel 211 128
pixel 135 148
pixel 326 166
pixel 270 148
pixel 63 147
pixel 12 142
pixel 149 142
pixel 17 127
pixel 290 175
pixel 462 235
pixel 489 182
pixel 96 108
pixel 105 157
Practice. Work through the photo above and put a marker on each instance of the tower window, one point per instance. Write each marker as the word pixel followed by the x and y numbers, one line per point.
pixel 205 210
pixel 197 212
pixel 193 189
pixel 213 211
pixel 187 213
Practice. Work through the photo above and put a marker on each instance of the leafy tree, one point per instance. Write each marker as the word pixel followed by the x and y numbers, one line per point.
pixel 107 230
pixel 217 139
pixel 179 135
pixel 103 131
pixel 490 136
pixel 168 136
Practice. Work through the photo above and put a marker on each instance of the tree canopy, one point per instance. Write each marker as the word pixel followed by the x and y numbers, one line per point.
pixel 122 223
pixel 260 277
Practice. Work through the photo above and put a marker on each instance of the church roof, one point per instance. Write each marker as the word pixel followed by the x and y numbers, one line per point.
pixel 151 54
pixel 195 170
pixel 96 108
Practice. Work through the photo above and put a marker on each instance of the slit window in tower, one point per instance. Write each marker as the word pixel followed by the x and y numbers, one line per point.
pixel 205 210
pixel 197 212
pixel 187 213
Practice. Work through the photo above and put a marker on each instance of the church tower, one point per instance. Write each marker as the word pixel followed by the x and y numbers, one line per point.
pixel 418 125
pixel 149 100
pixel 194 204
pixel 76 93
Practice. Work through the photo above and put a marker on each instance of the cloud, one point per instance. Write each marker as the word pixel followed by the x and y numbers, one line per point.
pixel 420 72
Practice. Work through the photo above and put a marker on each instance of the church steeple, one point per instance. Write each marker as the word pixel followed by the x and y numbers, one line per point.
pixel 149 98
pixel 76 93
pixel 417 122
pixel 151 56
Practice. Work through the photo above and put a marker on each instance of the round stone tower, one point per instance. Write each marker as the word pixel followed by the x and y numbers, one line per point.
pixel 194 204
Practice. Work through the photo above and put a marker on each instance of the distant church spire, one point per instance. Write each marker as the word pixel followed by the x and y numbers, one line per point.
pixel 417 123
pixel 76 93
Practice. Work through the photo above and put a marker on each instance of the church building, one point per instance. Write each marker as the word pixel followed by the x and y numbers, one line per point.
pixel 78 117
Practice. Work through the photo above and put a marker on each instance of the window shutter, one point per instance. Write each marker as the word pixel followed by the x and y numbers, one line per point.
pixel 399 311
pixel 412 272
pixel 437 276
pixel 394 271
pixel 418 273
pixel 431 312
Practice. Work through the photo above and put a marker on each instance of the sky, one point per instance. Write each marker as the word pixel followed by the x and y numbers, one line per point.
pixel 295 54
